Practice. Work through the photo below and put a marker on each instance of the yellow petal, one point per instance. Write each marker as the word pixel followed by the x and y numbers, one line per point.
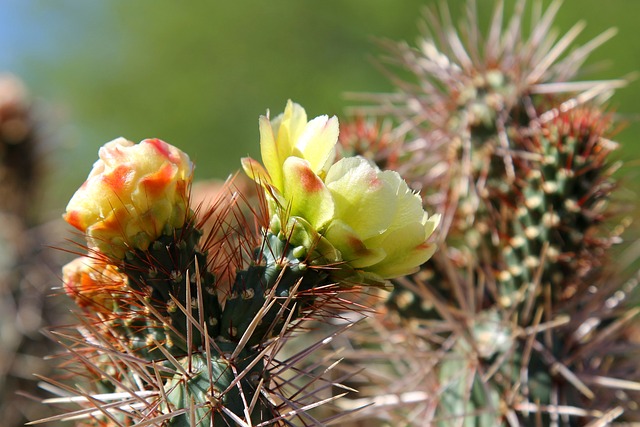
pixel 431 223
pixel 406 249
pixel 307 195
pixel 409 204
pixel 409 263
pixel 317 143
pixel 269 153
pixel 363 201
pixel 287 128
pixel 353 250
pixel 255 171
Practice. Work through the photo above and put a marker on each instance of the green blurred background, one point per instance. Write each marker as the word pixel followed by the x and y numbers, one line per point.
pixel 199 73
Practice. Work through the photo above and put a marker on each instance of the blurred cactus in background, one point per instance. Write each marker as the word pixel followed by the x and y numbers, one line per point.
pixel 27 269
pixel 523 316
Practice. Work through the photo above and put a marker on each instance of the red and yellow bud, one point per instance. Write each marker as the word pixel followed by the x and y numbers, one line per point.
pixel 93 283
pixel 133 194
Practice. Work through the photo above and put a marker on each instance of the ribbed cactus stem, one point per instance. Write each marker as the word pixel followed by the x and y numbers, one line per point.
pixel 220 377
pixel 209 392
pixel 278 273
pixel 221 382
pixel 168 274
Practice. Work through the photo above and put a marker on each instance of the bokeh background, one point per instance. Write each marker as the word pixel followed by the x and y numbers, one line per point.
pixel 198 74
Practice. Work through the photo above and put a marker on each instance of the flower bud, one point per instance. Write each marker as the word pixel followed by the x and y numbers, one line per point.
pixel 93 283
pixel 133 194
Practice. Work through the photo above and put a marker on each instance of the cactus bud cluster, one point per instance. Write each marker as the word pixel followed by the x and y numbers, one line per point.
pixel 180 328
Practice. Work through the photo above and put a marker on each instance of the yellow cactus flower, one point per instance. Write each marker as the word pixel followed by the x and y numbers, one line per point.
pixel 290 135
pixel 134 193
pixel 379 224
pixel 370 218
pixel 93 283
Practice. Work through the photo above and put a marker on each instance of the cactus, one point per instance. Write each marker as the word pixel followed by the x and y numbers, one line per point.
pixel 522 317
pixel 182 328
pixel 519 318
pixel 25 268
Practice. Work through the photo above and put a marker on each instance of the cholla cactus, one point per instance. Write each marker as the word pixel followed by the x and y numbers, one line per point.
pixel 519 318
pixel 183 329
